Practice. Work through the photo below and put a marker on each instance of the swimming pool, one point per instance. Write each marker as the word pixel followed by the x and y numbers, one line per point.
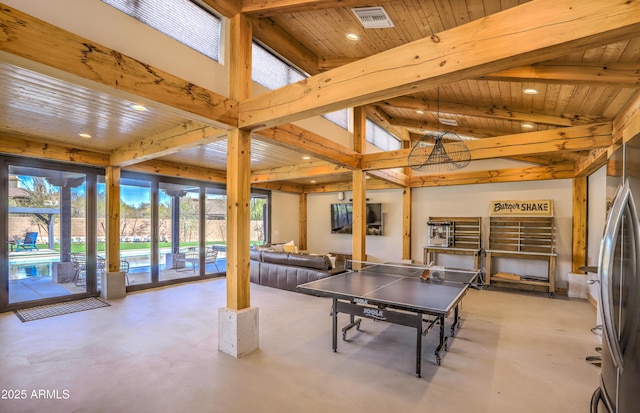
pixel 42 266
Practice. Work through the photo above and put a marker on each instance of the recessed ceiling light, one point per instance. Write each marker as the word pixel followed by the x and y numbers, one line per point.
pixel 84 135
pixel 528 125
pixel 306 158
pixel 352 36
pixel 138 107
pixel 530 91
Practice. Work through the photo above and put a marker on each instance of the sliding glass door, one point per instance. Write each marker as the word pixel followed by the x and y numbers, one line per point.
pixel 47 217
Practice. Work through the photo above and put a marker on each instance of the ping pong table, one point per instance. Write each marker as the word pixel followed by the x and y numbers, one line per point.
pixel 396 293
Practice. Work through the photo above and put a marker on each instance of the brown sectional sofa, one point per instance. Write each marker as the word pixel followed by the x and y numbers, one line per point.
pixel 286 270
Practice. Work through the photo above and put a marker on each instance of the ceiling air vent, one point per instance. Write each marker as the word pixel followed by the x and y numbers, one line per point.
pixel 373 17
pixel 448 122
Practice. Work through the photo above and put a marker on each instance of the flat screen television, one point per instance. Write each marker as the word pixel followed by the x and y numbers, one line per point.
pixel 342 219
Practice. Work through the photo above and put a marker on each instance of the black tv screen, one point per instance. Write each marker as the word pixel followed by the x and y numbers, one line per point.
pixel 342 219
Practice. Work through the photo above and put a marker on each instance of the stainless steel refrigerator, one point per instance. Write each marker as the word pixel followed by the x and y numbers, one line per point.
pixel 618 272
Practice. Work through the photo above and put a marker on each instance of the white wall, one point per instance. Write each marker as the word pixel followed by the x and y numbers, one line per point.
pixel 387 247
pixel 596 214
pixel 285 217
pixel 596 218
pixel 467 200
pixel 473 201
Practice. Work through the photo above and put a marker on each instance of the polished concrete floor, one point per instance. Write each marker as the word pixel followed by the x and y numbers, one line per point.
pixel 156 351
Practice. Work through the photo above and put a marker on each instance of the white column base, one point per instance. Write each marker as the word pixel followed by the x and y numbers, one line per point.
pixel 237 331
pixel 113 285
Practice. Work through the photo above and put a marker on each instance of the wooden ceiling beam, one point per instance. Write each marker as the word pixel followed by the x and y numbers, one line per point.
pixel 421 127
pixel 300 171
pixel 21 146
pixel 160 167
pixel 492 112
pixel 576 138
pixel 279 186
pixel 371 184
pixel 38 41
pixel 529 33
pixel 185 136
pixel 391 176
pixel 623 75
pixel 533 173
pixel 591 163
pixel 292 136
pixel 260 8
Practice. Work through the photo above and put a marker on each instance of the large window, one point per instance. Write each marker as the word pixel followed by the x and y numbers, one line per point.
pixel 273 72
pixel 381 138
pixel 182 20
pixel 54 220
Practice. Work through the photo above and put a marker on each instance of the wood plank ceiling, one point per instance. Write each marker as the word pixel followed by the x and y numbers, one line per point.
pixel 589 86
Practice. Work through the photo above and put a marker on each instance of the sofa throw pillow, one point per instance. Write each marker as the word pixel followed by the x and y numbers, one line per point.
pixel 290 247
pixel 333 261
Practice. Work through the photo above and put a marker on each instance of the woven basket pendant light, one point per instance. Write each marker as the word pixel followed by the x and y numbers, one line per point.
pixel 440 152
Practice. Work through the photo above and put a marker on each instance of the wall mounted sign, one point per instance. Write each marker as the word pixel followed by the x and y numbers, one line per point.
pixel 542 207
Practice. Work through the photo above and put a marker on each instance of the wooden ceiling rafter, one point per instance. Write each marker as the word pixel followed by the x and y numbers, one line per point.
pixel 34 148
pixel 290 135
pixel 623 75
pixel 185 136
pixel 297 171
pixel 493 112
pixel 533 173
pixel 161 167
pixel 576 138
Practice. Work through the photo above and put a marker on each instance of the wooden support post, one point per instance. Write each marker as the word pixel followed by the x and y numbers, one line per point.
pixel 238 323
pixel 239 170
pixel 406 223
pixel 238 228
pixel 112 180
pixel 579 227
pixel 359 227
pixel 302 242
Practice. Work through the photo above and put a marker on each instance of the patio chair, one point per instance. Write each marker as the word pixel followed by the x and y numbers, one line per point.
pixel 124 267
pixel 192 256
pixel 211 256
pixel 29 242
pixel 79 261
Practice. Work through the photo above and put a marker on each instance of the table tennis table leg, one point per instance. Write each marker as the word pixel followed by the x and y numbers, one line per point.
pixel 419 350
pixel 443 340
pixel 456 320
pixel 334 314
